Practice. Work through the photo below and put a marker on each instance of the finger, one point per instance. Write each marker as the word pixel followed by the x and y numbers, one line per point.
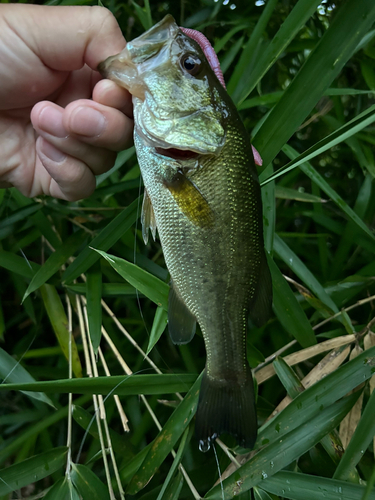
pixel 110 94
pixel 98 125
pixel 97 153
pixel 67 37
pixel 70 179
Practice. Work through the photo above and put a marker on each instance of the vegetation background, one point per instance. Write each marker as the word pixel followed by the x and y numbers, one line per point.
pixel 302 75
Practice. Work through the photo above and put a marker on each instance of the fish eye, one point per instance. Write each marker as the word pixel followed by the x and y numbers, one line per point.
pixel 191 64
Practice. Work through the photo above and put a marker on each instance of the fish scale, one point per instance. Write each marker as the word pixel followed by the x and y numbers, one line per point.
pixel 206 204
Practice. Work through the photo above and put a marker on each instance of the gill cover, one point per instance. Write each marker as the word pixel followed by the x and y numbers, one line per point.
pixel 172 107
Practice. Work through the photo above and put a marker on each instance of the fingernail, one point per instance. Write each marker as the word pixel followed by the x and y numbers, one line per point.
pixel 51 152
pixel 51 122
pixel 87 121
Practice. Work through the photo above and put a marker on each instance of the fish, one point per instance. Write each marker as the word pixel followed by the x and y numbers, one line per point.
pixel 202 195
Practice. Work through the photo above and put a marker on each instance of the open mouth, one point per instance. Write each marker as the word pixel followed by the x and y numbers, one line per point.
pixel 177 154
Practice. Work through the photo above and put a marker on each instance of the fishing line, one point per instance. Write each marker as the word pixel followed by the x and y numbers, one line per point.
pixel 218 468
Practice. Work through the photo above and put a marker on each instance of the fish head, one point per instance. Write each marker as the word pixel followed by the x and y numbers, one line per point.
pixel 178 102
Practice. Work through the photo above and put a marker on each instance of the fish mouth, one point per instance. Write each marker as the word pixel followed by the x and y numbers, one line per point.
pixel 177 154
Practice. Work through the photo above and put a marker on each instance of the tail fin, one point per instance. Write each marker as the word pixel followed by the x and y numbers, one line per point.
pixel 226 406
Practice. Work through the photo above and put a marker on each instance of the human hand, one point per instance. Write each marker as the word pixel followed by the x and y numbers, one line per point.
pixel 53 138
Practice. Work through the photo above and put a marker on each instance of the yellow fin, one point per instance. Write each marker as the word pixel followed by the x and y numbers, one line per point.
pixel 147 218
pixel 190 200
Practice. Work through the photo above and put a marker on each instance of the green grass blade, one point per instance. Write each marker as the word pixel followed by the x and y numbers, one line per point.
pixel 298 486
pixel 17 264
pixel 349 25
pixel 288 378
pixel 340 135
pixel 166 439
pixel 325 392
pixel 21 214
pixel 88 484
pixel 108 289
pixel 292 194
pixel 33 430
pixel 12 372
pixel 59 322
pixel 94 308
pixel 329 191
pixel 31 470
pixel 123 386
pixel 175 464
pixel 282 452
pixel 361 439
pixel 288 310
pixel 62 490
pixel 151 286
pixel 105 239
pixel 300 269
pixel 55 261
pixel 158 327
pixel 245 76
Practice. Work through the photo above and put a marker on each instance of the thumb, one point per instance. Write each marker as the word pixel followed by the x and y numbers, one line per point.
pixel 67 37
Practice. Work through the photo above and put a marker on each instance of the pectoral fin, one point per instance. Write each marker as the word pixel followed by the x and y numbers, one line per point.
pixel 147 218
pixel 181 323
pixel 190 200
pixel 261 305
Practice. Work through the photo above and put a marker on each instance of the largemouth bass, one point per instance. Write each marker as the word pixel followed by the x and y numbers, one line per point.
pixel 203 196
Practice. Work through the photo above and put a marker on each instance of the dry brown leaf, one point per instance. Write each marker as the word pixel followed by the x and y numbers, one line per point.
pixel 369 341
pixel 327 365
pixel 350 422
pixel 268 371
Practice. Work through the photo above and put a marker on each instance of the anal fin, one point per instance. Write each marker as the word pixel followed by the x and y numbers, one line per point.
pixel 181 323
pixel 147 218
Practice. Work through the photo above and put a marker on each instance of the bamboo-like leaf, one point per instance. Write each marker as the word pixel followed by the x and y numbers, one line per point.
pixel 350 24
pixel 33 469
pixel 166 439
pixel 175 463
pixel 288 311
pixel 342 134
pixel 105 239
pixel 17 264
pixel 21 214
pixel 325 392
pixel 62 490
pixel 300 269
pixel 362 437
pixel 11 371
pixel 59 322
pixel 288 378
pixel 149 285
pixel 277 455
pixel 243 82
pixel 298 486
pixel 125 386
pixel 55 261
pixel 88 484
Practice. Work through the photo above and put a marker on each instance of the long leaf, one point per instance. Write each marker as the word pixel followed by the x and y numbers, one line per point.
pixel 125 386
pixel 352 21
pixel 33 469
pixel 298 486
pixel 282 452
